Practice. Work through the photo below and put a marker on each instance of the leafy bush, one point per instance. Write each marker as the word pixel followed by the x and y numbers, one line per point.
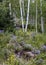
pixel 13 60
pixel 31 27
pixel 4 40
pixel 6 22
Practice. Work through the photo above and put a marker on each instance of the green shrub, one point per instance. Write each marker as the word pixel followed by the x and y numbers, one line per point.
pixel 6 21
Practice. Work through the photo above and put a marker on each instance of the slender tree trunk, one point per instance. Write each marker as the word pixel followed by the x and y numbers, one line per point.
pixel 36 17
pixel 23 7
pixel 20 2
pixel 10 8
pixel 27 16
pixel 33 20
pixel 42 22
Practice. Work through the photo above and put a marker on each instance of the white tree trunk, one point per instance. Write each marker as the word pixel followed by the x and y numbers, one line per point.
pixel 10 8
pixel 21 11
pixel 42 22
pixel 23 7
pixel 36 16
pixel 27 16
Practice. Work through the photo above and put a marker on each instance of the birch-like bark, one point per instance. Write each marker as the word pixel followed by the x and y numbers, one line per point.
pixel 23 7
pixel 36 17
pixel 10 8
pixel 20 2
pixel 42 22
pixel 27 16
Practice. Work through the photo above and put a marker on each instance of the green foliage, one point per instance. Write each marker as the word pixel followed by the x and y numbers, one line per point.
pixel 4 40
pixel 37 40
pixel 31 27
pixel 13 60
pixel 7 49
pixel 5 18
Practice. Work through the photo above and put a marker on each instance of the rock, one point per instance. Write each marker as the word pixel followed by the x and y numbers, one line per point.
pixel 28 55
pixel 1 31
pixel 36 51
pixel 43 48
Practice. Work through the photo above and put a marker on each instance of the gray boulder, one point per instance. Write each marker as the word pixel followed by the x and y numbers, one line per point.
pixel 43 48
pixel 36 51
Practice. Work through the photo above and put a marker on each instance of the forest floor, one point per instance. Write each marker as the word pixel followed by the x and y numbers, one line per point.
pixel 23 48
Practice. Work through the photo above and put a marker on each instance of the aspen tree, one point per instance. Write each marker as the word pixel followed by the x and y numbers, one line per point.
pixel 21 11
pixel 27 15
pixel 42 22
